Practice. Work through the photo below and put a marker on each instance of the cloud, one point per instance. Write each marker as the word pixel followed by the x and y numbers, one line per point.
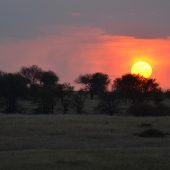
pixel 76 14
pixel 21 19
pixel 71 51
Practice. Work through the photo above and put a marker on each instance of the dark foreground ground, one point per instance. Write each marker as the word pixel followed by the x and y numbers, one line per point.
pixel 81 143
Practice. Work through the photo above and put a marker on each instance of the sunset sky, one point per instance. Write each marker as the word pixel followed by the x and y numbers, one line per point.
pixel 73 37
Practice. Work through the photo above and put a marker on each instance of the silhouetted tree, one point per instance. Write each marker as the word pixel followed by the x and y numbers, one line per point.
pixel 46 100
pixel 135 87
pixel 128 86
pixel 100 83
pixel 49 79
pixel 13 87
pixel 150 85
pixel 156 95
pixel 167 93
pixel 64 93
pixel 85 81
pixel 1 90
pixel 96 83
pixel 32 73
pixel 79 101
pixel 47 92
pixel 2 74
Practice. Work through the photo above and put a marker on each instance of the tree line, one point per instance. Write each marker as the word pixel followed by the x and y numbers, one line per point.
pixel 42 88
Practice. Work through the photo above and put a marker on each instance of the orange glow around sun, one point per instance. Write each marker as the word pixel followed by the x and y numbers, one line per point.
pixel 142 68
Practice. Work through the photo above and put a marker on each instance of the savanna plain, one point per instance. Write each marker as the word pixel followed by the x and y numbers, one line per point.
pixel 82 142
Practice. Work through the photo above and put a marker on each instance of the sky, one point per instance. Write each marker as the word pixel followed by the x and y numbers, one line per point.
pixel 74 37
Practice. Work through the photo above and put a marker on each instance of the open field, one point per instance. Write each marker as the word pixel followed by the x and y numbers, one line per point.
pixel 71 142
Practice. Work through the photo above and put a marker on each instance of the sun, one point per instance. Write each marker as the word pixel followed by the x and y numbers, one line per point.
pixel 142 68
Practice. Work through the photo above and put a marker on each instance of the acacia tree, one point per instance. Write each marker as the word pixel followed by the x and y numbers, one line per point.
pixel 95 84
pixel 135 87
pixel 32 74
pixel 48 79
pixel 47 92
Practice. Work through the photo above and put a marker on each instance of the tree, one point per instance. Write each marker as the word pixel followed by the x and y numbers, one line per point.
pixel 64 93
pixel 46 99
pixel 47 93
pixel 150 85
pixel 100 83
pixel 167 93
pixel 49 79
pixel 85 81
pixel 13 87
pixel 95 84
pixel 79 101
pixel 1 89
pixel 135 87
pixel 32 73
pixel 128 86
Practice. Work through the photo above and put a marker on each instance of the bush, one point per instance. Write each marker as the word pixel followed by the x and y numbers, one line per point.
pixel 79 101
pixel 145 125
pixel 152 133
pixel 107 104
pixel 145 109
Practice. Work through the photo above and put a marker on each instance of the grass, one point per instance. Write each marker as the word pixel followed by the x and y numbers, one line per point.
pixel 72 142
pixel 152 133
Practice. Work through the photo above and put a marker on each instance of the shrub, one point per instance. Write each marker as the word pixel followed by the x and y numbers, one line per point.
pixel 145 125
pixel 152 133
pixel 107 104
pixel 145 109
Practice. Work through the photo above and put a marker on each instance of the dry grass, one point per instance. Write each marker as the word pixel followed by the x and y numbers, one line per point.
pixel 71 142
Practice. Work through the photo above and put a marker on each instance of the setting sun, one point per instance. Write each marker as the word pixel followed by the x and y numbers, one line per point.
pixel 142 68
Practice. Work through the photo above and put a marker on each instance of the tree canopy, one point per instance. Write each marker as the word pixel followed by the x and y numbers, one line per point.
pixel 32 73
pixel 96 83
pixel 135 87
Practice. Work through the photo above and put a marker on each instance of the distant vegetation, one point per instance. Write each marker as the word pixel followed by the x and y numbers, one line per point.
pixel 42 90
pixel 152 133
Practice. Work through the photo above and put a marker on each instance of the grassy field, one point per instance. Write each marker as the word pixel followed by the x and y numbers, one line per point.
pixel 72 142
